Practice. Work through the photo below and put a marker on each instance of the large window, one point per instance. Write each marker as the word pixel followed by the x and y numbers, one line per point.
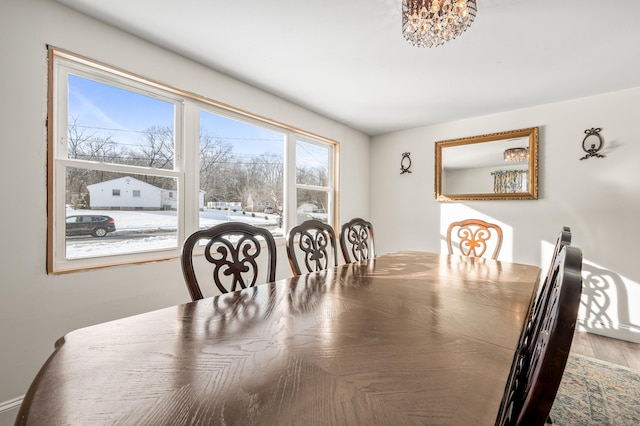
pixel 241 172
pixel 313 181
pixel 154 164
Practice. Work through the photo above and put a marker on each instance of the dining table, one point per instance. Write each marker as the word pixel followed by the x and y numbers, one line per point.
pixel 404 338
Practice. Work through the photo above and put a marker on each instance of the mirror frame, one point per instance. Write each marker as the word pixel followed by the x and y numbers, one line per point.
pixel 532 194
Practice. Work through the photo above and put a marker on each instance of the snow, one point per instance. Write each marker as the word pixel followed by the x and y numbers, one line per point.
pixel 138 231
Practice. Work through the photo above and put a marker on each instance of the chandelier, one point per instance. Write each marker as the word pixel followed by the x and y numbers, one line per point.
pixel 516 155
pixel 429 23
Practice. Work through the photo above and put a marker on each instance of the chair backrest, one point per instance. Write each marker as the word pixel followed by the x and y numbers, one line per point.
pixel 356 240
pixel 317 242
pixel 537 368
pixel 539 303
pixel 564 239
pixel 232 249
pixel 473 236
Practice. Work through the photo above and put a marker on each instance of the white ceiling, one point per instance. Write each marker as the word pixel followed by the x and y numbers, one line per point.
pixel 347 60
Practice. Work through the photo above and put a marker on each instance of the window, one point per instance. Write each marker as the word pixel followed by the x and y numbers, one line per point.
pixel 160 163
pixel 313 191
pixel 241 172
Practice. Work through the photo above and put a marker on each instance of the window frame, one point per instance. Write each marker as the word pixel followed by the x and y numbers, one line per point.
pixel 328 189
pixel 186 158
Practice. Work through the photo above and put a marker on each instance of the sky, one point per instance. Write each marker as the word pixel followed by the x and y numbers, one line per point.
pixel 107 110
pixel 246 139
pixel 124 115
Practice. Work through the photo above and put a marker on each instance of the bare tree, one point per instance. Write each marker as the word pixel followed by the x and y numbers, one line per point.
pixel 83 145
pixel 224 175
pixel 157 150
pixel 315 176
pixel 270 171
pixel 214 162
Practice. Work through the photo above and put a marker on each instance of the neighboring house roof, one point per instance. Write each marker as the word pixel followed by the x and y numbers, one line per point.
pixel 125 180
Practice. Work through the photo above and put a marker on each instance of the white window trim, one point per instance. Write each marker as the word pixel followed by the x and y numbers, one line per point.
pixel 186 158
pixel 329 189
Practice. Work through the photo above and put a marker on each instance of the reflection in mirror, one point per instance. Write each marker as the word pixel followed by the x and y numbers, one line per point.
pixel 498 166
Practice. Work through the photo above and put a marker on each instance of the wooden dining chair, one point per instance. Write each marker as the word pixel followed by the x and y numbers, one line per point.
pixel 233 249
pixel 356 240
pixel 473 237
pixel 316 241
pixel 539 302
pixel 538 365
pixel 563 240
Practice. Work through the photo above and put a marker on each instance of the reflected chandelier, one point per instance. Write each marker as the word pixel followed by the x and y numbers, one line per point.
pixel 430 23
pixel 516 155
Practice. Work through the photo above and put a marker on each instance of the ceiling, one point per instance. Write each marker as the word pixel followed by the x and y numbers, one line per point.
pixel 347 59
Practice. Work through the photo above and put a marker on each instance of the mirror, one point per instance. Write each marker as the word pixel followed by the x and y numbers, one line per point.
pixel 498 166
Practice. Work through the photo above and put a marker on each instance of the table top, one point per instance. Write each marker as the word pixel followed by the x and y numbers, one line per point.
pixel 407 338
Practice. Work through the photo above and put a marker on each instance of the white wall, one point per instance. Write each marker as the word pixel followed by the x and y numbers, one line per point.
pixel 477 180
pixel 598 198
pixel 36 308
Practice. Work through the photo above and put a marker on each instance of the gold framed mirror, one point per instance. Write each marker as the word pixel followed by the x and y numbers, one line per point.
pixel 497 166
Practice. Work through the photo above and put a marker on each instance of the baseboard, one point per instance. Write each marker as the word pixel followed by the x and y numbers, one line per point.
pixel 621 331
pixel 11 404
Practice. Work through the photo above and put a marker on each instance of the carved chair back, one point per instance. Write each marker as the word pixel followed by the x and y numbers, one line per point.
pixel 316 243
pixel 356 240
pixel 538 365
pixel 233 249
pixel 540 302
pixel 473 237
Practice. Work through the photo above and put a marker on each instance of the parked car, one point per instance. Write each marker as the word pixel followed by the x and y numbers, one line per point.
pixel 89 224
pixel 268 210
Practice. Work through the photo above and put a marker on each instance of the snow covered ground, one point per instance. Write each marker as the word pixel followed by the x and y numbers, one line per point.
pixel 149 230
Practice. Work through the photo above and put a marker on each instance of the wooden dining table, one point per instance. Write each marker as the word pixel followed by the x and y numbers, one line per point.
pixel 405 338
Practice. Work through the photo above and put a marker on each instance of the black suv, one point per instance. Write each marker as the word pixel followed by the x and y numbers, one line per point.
pixel 89 224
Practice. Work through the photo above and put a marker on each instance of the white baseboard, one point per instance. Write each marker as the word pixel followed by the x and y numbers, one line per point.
pixel 11 404
pixel 619 331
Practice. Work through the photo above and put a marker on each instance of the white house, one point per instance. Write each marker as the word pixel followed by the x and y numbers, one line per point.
pixel 128 193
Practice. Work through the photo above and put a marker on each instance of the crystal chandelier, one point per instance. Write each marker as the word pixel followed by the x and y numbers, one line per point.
pixel 429 23
pixel 516 155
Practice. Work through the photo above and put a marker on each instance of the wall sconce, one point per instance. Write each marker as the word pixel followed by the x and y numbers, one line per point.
pixel 592 143
pixel 405 163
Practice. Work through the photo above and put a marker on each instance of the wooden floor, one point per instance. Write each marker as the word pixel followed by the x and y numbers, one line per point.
pixel 615 351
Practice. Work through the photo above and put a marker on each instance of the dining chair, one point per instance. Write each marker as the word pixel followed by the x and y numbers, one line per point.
pixel 233 249
pixel 473 237
pixel 356 240
pixel 538 366
pixel 316 241
pixel 539 303
pixel 563 239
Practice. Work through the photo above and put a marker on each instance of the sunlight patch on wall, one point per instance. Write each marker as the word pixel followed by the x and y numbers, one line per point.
pixel 610 303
